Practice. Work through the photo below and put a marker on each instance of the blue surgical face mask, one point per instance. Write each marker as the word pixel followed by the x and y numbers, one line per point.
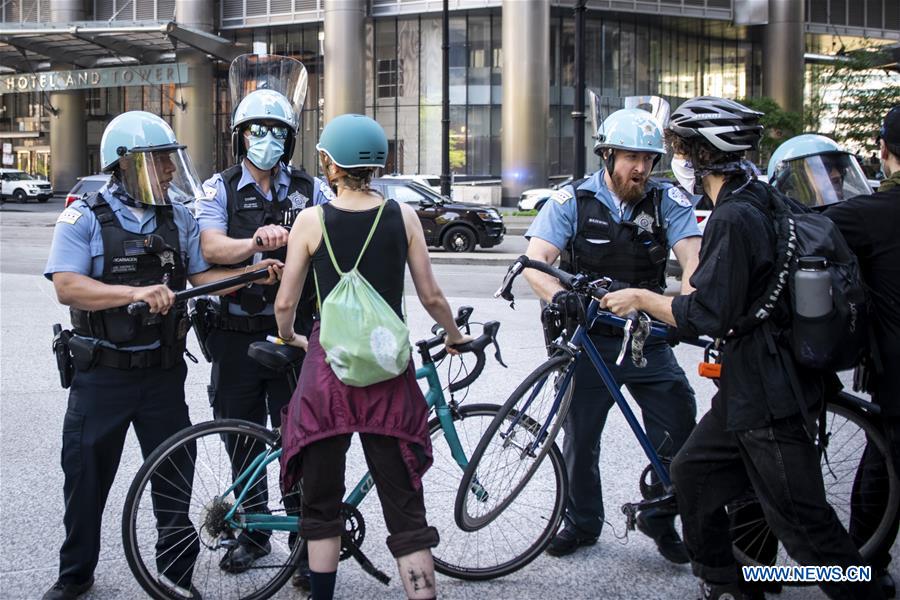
pixel 684 173
pixel 265 152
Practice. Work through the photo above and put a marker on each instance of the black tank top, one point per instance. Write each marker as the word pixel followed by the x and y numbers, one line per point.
pixel 384 263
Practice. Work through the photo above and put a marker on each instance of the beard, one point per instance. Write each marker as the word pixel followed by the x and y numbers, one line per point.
pixel 629 190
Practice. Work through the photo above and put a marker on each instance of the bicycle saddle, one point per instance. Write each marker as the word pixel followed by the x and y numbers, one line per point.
pixel 275 356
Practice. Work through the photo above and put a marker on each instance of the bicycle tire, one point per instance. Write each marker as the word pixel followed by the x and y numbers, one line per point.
pixel 843 448
pixel 134 555
pixel 554 370
pixel 465 545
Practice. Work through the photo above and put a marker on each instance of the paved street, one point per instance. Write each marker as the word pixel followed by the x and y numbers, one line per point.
pixel 32 407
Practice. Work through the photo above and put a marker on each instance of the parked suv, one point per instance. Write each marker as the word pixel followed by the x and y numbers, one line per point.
pixel 456 226
pixel 22 187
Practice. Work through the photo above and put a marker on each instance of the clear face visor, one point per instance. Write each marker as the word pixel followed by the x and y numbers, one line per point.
pixel 160 177
pixel 251 72
pixel 822 179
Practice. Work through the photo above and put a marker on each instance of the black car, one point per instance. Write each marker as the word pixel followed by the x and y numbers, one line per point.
pixel 456 226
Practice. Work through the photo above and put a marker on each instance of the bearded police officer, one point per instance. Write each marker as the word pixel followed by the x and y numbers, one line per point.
pixel 618 223
pixel 246 215
pixel 132 241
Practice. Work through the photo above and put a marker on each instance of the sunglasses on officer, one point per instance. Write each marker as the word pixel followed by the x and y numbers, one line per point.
pixel 259 130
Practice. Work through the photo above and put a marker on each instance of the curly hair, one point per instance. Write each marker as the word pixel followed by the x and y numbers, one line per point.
pixel 704 155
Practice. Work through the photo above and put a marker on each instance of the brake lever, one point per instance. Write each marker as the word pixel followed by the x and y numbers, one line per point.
pixel 626 337
pixel 497 352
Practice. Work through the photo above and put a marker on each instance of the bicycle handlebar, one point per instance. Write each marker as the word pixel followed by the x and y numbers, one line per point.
pixel 476 347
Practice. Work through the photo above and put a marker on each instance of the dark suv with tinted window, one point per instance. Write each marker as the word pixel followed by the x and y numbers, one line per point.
pixel 456 226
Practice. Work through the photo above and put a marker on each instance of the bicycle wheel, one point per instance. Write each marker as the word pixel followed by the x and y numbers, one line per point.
pixel 174 528
pixel 847 434
pixel 510 542
pixel 512 449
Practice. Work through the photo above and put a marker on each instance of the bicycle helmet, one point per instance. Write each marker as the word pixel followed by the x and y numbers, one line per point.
pixel 727 125
pixel 354 141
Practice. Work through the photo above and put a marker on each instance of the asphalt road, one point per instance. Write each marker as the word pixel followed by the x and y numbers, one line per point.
pixel 32 407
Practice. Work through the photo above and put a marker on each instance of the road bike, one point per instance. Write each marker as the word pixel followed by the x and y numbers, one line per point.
pixel 192 474
pixel 512 448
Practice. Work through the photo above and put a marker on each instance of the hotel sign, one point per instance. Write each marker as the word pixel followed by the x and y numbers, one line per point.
pixel 58 81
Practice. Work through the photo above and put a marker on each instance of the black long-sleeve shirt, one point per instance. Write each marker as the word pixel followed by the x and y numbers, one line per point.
pixel 737 259
pixel 871 226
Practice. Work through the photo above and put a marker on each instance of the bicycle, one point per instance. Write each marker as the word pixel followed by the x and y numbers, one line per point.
pixel 227 505
pixel 511 451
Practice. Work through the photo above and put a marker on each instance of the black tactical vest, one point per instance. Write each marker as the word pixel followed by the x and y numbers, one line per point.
pixel 138 260
pixel 631 252
pixel 248 210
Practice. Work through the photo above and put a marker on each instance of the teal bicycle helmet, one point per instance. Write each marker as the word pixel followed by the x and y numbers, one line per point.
pixel 354 141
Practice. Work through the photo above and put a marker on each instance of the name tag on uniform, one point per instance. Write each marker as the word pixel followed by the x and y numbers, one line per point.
pixel 124 264
pixel 250 204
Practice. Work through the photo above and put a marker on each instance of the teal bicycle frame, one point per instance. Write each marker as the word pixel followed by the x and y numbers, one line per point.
pixel 434 398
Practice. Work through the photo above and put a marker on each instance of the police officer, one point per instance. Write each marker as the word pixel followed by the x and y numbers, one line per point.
pixel 815 171
pixel 869 223
pixel 756 434
pixel 619 224
pixel 246 215
pixel 132 241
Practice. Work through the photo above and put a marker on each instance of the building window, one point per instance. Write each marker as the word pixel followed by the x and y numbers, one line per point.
pixel 390 77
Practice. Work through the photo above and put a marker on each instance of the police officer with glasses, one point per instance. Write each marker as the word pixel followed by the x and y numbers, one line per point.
pixel 246 215
pixel 619 223
pixel 132 241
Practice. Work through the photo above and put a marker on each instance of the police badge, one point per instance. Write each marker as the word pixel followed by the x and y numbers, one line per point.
pixel 298 200
pixel 645 222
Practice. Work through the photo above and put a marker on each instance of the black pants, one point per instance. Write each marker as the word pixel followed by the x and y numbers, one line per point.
pixel 870 494
pixel 241 388
pixel 781 464
pixel 103 402
pixel 323 463
pixel 667 406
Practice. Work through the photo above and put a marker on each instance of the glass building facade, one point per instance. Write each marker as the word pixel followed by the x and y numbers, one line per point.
pixel 625 55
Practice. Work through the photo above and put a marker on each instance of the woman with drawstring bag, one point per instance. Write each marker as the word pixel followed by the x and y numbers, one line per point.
pixel 358 375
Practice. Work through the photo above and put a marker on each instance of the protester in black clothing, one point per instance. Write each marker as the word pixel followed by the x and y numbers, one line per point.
pixel 870 224
pixel 757 432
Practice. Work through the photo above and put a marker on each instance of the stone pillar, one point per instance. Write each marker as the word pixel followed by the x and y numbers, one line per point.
pixel 526 96
pixel 68 132
pixel 194 124
pixel 783 49
pixel 345 57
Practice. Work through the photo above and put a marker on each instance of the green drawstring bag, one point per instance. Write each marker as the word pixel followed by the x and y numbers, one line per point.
pixel 365 342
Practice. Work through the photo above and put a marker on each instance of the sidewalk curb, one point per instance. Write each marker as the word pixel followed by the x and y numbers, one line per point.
pixel 487 260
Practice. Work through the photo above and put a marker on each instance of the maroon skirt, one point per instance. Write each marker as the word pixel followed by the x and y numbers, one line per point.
pixel 323 406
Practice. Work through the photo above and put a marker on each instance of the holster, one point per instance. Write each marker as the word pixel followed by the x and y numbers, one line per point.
pixel 60 348
pixel 201 313
pixel 84 352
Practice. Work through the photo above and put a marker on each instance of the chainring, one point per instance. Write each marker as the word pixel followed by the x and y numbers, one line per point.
pixel 354 529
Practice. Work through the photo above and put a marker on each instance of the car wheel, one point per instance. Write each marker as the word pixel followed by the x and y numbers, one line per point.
pixel 459 239
pixel 20 196
pixel 540 205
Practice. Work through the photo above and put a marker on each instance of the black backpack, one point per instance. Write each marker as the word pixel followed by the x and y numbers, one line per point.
pixel 838 340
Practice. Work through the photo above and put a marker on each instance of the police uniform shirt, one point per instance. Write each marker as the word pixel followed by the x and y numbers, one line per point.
pixel 557 221
pixel 212 212
pixel 78 244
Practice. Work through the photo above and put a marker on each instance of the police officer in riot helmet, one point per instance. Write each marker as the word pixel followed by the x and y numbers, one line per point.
pixel 757 433
pixel 246 214
pixel 618 223
pixel 132 241
pixel 815 171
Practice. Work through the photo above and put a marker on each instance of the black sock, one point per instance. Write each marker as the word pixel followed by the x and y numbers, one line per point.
pixel 322 585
